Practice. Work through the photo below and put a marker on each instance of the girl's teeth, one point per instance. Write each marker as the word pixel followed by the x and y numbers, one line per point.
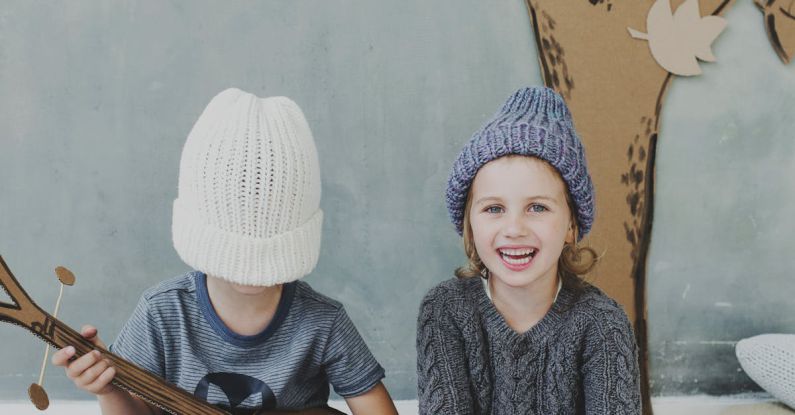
pixel 517 256
pixel 517 252
pixel 512 261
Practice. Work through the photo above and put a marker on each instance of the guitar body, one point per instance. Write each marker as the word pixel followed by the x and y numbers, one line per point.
pixel 168 397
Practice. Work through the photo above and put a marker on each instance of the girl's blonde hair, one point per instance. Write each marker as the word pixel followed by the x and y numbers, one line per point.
pixel 574 262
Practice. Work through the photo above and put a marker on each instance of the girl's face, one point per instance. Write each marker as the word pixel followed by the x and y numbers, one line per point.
pixel 520 220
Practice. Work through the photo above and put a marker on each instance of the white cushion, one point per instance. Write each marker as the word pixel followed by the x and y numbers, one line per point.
pixel 769 359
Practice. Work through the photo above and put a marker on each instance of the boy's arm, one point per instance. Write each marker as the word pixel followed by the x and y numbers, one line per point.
pixel 353 371
pixel 611 378
pixel 374 401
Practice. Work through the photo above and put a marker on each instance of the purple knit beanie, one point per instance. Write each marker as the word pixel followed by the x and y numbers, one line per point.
pixel 533 122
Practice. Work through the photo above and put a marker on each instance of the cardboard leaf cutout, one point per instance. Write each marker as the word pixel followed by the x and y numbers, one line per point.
pixel 677 39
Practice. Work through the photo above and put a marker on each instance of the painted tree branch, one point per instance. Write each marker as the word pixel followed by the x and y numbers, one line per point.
pixel 780 26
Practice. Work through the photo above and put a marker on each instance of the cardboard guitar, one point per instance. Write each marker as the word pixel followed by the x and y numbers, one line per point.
pixel 170 398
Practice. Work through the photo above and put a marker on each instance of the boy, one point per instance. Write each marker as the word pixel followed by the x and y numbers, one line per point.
pixel 243 332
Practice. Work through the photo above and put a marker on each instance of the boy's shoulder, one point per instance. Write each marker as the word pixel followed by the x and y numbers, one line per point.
pixel 171 287
pixel 313 300
pixel 313 312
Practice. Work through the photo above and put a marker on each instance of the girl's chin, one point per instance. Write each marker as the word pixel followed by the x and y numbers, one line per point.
pixel 517 279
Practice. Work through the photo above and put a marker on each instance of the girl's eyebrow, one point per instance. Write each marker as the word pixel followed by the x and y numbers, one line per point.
pixel 547 198
pixel 498 199
pixel 486 199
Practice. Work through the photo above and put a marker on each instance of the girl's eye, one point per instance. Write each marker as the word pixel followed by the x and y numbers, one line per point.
pixel 535 208
pixel 493 209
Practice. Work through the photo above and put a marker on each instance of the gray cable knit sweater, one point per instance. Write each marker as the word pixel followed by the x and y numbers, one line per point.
pixel 581 358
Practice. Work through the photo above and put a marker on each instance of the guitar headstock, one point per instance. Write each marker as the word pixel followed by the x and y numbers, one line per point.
pixel 22 310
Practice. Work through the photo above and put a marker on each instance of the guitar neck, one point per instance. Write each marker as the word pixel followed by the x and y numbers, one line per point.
pixel 130 377
pixel 139 382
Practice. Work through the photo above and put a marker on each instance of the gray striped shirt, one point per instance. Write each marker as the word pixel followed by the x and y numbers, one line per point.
pixel 175 333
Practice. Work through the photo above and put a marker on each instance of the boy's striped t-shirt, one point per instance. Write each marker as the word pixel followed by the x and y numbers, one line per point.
pixel 176 334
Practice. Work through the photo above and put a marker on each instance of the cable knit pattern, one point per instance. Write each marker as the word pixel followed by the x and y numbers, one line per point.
pixel 581 358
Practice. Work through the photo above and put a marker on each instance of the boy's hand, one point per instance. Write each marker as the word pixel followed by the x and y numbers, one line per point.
pixel 90 372
pixel 374 401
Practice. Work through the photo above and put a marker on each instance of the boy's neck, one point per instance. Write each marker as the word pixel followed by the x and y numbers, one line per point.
pixel 245 310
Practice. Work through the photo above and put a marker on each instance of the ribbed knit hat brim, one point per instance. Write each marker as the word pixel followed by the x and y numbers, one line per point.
pixel 262 261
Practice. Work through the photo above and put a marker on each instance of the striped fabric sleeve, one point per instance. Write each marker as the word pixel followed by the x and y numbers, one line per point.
pixel 139 340
pixel 351 368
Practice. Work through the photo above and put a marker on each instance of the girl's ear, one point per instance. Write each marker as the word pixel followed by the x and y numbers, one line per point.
pixel 571 233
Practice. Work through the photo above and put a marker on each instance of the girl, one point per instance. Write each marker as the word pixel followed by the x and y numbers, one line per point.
pixel 519 332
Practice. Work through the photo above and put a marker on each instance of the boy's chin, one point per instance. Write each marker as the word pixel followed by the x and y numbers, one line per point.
pixel 250 289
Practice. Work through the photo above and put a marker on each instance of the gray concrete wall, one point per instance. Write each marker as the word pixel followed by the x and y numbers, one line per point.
pixel 720 263
pixel 96 99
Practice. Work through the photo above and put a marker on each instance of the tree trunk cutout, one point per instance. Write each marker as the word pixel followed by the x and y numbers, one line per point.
pixel 614 89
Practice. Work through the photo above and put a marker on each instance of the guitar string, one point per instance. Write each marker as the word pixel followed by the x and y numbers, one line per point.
pixel 147 388
pixel 138 378
pixel 69 336
pixel 47 349
pixel 82 346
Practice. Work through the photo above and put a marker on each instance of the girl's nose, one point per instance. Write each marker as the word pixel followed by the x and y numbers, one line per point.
pixel 515 227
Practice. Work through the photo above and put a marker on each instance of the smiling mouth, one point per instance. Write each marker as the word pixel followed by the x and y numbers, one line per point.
pixel 517 257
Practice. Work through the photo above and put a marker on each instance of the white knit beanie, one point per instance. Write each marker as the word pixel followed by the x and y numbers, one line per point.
pixel 249 192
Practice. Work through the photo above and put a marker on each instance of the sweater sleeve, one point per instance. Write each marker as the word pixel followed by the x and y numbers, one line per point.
pixel 611 378
pixel 442 375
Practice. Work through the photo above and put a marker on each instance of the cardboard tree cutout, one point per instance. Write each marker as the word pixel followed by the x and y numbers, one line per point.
pixel 780 26
pixel 614 86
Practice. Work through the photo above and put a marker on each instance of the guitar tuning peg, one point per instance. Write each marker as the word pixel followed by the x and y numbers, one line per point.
pixel 38 396
pixel 36 391
pixel 65 276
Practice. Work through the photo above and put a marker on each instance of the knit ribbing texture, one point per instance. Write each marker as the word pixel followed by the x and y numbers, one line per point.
pixel 249 192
